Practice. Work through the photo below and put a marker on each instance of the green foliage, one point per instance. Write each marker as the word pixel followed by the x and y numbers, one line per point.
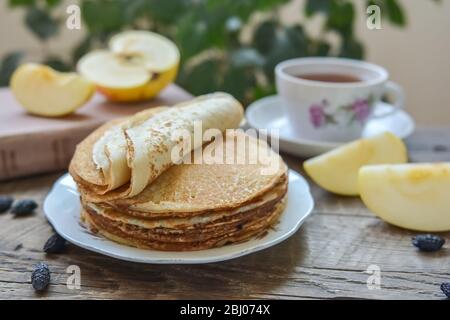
pixel 317 6
pixel 103 16
pixel 18 3
pixel 215 55
pixel 52 3
pixel 8 65
pixel 341 17
pixel 41 23
pixel 57 63
pixel 203 76
pixel 392 10
pixel 395 13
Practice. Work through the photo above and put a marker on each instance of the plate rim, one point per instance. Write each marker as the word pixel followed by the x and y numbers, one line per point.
pixel 218 258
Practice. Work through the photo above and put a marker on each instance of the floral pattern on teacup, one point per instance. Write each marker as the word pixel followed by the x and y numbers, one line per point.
pixel 359 110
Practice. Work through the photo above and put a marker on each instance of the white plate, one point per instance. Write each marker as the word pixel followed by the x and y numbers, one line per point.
pixel 268 113
pixel 62 209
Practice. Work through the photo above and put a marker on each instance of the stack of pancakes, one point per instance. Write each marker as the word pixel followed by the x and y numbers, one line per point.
pixel 186 206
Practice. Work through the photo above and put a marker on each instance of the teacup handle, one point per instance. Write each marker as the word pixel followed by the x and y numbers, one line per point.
pixel 399 98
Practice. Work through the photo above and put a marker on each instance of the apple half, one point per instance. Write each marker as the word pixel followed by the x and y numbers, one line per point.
pixel 47 92
pixel 337 170
pixel 137 66
pixel 412 196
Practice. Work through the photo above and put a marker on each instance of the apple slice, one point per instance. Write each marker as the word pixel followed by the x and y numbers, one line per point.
pixel 160 54
pixel 47 92
pixel 114 70
pixel 137 67
pixel 411 196
pixel 337 170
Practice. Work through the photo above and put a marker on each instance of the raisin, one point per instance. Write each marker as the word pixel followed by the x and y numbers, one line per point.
pixel 5 203
pixel 428 242
pixel 55 244
pixel 445 287
pixel 24 207
pixel 40 278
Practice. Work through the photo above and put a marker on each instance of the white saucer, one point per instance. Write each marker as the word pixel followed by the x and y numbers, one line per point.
pixel 62 209
pixel 268 113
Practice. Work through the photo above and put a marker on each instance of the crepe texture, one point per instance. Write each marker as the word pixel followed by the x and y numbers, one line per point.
pixel 83 160
pixel 235 192
pixel 141 238
pixel 131 154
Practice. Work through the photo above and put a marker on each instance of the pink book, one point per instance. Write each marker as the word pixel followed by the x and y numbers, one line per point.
pixel 32 144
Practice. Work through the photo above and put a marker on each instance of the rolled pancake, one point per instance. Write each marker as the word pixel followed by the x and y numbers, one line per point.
pixel 110 151
pixel 239 234
pixel 194 231
pixel 235 192
pixel 139 152
pixel 82 162
pixel 150 144
pixel 197 188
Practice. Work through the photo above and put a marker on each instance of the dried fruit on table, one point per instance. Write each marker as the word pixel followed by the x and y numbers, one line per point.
pixel 5 203
pixel 40 278
pixel 428 242
pixel 55 244
pixel 24 207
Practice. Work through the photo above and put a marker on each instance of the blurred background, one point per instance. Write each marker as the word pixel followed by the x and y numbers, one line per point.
pixel 234 45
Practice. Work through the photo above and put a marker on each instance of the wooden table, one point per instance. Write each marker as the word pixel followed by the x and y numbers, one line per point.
pixel 326 258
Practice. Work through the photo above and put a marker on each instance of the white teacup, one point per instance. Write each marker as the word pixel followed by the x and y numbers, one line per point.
pixel 330 110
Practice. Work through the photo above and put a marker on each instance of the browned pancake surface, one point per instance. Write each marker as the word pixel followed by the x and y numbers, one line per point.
pixel 243 234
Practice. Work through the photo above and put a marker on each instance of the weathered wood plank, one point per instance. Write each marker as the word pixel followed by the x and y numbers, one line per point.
pixel 257 276
pixel 325 259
